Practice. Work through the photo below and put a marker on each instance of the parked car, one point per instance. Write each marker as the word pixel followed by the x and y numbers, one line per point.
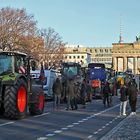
pixel 47 83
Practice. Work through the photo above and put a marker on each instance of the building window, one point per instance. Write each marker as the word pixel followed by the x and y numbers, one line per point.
pixel 74 57
pixel 95 50
pixel 101 50
pixel 65 57
pixel 82 57
pixel 69 57
pixel 106 50
pixel 78 56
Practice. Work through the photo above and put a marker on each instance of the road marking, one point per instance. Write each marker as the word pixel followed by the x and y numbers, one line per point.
pixel 97 114
pixel 90 136
pixel 103 127
pixel 42 114
pixel 42 138
pixel 75 123
pixel 57 131
pixel 50 135
pixel 6 123
pixel 88 117
pixel 70 126
pixel 99 129
pixel 85 119
pixel 107 124
pixel 80 121
pixel 96 132
pixel 118 116
pixel 64 128
pixel 91 116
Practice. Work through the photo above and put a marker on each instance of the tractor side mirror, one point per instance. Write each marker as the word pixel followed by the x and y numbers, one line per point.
pixel 61 71
pixel 33 65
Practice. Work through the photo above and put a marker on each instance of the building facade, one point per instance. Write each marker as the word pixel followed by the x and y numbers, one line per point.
pixel 102 55
pixel 126 56
pixel 79 53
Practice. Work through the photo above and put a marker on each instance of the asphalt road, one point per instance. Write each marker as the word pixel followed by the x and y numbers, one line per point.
pixel 92 123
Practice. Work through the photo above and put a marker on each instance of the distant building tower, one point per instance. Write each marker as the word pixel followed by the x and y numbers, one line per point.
pixel 120 37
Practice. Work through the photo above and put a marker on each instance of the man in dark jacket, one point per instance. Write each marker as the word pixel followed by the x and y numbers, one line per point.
pixel 106 94
pixel 83 93
pixel 132 92
pixel 123 99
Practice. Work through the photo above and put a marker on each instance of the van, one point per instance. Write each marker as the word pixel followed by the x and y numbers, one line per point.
pixel 47 83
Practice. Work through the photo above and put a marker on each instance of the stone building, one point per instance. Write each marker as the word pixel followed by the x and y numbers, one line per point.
pixel 126 56
pixel 102 55
pixel 79 53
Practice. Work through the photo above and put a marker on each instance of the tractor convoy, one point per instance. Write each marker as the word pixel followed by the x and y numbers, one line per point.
pixel 17 90
pixel 21 93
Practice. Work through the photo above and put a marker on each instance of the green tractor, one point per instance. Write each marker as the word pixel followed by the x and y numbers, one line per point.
pixel 71 70
pixel 17 92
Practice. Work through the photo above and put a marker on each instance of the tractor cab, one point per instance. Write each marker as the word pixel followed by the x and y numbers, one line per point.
pixel 71 70
pixel 11 62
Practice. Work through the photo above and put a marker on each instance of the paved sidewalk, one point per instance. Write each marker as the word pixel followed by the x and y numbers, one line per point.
pixel 128 129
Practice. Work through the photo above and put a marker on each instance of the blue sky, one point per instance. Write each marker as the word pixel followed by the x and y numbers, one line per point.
pixel 93 23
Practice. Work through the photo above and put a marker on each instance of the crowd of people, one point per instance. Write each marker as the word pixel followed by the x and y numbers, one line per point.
pixel 128 92
pixel 73 97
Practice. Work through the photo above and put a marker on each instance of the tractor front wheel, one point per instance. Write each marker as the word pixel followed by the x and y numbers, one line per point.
pixel 15 100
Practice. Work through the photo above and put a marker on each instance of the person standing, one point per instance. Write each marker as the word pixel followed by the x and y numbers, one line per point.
pixel 89 91
pixel 133 92
pixel 83 92
pixel 71 95
pixel 57 89
pixel 74 104
pixel 106 94
pixel 123 99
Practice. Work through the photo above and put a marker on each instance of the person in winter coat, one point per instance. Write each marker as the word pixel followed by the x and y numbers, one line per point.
pixel 132 92
pixel 106 94
pixel 83 92
pixel 89 91
pixel 57 89
pixel 123 99
pixel 71 95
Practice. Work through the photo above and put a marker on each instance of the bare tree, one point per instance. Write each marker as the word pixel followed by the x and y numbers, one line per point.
pixel 15 26
pixel 54 47
pixel 18 32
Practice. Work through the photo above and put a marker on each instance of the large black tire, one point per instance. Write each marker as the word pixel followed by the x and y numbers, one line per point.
pixel 12 107
pixel 1 105
pixel 37 100
pixel 1 109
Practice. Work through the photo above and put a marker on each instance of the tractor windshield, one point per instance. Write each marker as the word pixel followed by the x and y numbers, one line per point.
pixel 5 64
pixel 70 71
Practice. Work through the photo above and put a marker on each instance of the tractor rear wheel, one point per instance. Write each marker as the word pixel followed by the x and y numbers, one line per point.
pixel 1 109
pixel 37 100
pixel 15 100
